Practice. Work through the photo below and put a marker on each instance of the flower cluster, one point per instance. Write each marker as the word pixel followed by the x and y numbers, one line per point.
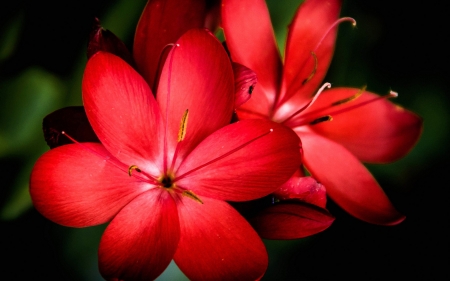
pixel 194 154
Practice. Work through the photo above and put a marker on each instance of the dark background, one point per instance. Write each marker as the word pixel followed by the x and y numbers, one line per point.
pixel 398 47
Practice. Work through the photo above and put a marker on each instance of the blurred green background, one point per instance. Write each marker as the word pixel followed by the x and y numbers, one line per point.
pixel 42 56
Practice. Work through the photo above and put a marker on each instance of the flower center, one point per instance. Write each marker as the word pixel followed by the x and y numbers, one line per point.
pixel 167 181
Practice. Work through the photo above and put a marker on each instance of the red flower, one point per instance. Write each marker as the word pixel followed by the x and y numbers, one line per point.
pixel 365 126
pixel 165 166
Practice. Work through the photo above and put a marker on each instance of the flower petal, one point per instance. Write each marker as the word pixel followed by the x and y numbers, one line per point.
pixel 305 189
pixel 243 161
pixel 216 243
pixel 244 83
pixel 198 77
pixel 162 23
pixel 291 220
pixel 251 42
pixel 377 132
pixel 123 112
pixel 141 240
pixel 76 185
pixel 347 181
pixel 311 23
pixel 257 107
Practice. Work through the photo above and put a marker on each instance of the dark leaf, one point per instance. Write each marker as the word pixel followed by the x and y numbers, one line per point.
pixel 102 39
pixel 73 121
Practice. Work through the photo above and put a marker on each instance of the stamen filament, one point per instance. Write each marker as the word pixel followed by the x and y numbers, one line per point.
pixel 148 178
pixel 336 103
pixel 223 156
pixel 292 90
pixel 167 108
pixel 341 20
pixel 391 94
pixel 326 85
pixel 160 63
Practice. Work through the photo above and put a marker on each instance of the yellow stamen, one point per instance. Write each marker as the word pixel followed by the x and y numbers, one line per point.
pixel 183 126
pixel 191 194
pixel 314 69
pixel 349 99
pixel 133 167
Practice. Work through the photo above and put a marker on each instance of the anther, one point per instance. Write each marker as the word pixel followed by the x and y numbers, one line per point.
pixel 314 69
pixel 250 89
pixel 325 118
pixel 191 194
pixel 393 94
pixel 183 126
pixel 181 135
pixel 349 99
pixel 133 167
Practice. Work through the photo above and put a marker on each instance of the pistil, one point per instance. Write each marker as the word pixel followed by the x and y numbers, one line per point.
pixel 293 90
pixel 167 107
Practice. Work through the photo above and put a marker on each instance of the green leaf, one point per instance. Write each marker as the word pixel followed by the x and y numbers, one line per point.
pixel 26 100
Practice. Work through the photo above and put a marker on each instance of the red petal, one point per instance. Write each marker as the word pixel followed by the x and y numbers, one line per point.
pixel 251 41
pixel 197 76
pixel 123 112
pixel 162 23
pixel 102 39
pixel 244 83
pixel 257 107
pixel 347 181
pixel 141 240
pixel 216 243
pixel 377 132
pixel 305 189
pixel 291 220
pixel 74 185
pixel 259 163
pixel 310 24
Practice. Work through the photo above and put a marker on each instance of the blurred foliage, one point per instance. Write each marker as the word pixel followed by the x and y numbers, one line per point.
pixel 42 57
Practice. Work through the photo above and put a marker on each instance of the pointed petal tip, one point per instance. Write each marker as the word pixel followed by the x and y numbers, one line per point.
pixel 101 39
